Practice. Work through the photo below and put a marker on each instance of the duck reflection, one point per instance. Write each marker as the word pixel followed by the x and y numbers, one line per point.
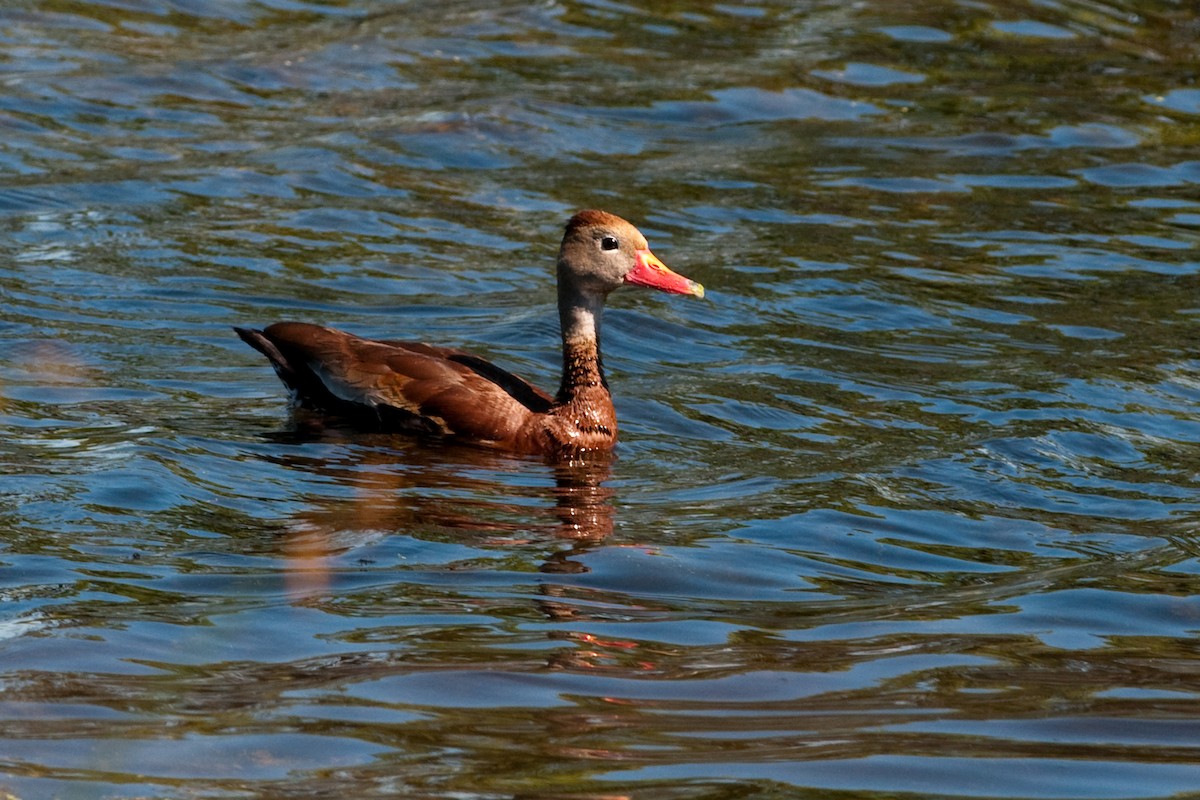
pixel 372 485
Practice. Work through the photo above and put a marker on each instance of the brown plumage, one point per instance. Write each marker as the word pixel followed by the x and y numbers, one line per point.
pixel 439 391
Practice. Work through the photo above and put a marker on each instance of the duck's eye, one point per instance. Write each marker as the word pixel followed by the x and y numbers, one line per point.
pixel 609 243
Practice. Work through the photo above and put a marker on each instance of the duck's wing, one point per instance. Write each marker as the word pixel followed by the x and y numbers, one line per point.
pixel 402 385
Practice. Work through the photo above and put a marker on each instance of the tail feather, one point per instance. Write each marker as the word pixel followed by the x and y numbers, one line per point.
pixel 283 368
pixel 306 387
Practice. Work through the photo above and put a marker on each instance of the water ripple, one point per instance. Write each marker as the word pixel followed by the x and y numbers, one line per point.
pixel 907 504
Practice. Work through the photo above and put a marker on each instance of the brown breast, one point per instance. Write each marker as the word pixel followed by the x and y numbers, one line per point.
pixel 587 422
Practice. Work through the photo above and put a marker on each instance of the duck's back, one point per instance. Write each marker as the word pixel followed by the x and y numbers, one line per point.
pixel 403 386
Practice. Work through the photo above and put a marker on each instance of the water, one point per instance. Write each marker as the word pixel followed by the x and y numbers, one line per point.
pixel 906 508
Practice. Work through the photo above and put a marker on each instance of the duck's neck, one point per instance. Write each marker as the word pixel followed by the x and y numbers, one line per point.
pixel 583 369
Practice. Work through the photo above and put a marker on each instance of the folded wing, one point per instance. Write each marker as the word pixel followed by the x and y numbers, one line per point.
pixel 406 386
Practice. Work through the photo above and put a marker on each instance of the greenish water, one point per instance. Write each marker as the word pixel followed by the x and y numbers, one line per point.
pixel 906 508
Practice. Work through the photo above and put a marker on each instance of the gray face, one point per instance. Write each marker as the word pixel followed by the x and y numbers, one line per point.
pixel 598 250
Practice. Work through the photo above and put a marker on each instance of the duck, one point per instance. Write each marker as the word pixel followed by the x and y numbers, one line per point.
pixel 445 393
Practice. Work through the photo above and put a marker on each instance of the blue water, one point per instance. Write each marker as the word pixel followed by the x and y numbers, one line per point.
pixel 907 507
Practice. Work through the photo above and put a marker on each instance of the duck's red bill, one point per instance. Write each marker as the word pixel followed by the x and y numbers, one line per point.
pixel 649 271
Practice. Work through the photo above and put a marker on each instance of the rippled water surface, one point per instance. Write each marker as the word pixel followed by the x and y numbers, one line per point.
pixel 908 507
